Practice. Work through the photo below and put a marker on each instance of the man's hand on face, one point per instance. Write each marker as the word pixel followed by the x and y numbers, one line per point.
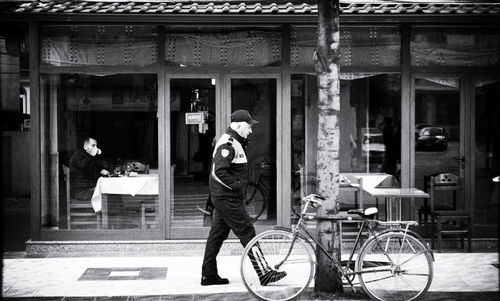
pixel 104 172
pixel 91 148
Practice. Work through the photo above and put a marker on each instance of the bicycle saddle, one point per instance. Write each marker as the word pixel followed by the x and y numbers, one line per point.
pixel 368 213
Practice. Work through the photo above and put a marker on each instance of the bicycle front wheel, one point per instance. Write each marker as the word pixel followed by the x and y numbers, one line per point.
pixel 274 246
pixel 395 266
pixel 255 201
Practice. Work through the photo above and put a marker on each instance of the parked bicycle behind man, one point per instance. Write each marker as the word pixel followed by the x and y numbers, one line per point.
pixel 227 183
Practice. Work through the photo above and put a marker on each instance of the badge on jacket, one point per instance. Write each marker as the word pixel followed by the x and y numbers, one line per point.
pixel 224 153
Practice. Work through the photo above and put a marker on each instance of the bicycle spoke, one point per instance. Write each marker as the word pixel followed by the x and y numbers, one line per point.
pixel 413 257
pixel 395 282
pixel 275 248
pixel 380 279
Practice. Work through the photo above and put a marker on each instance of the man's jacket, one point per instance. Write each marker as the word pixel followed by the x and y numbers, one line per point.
pixel 229 173
pixel 85 170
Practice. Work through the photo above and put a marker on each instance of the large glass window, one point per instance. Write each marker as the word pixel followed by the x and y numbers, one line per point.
pixel 487 155
pixel 370 124
pixel 104 45
pixel 359 46
pixel 222 47
pixel 370 114
pixel 438 136
pixel 453 46
pixel 437 127
pixel 99 151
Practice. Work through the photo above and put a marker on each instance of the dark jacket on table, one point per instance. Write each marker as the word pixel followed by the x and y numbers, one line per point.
pixel 84 170
pixel 229 172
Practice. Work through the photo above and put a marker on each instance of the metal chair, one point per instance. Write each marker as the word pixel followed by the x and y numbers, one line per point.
pixel 450 219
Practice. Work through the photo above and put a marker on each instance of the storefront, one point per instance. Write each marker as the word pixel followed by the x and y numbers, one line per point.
pixel 153 85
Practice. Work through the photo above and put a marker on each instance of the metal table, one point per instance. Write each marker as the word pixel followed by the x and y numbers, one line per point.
pixel 396 194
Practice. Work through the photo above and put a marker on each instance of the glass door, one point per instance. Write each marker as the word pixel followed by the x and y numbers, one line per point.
pixel 194 110
pixel 258 95
pixel 486 150
pixel 439 132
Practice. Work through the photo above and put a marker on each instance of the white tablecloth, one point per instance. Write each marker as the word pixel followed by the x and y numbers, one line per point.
pixel 142 184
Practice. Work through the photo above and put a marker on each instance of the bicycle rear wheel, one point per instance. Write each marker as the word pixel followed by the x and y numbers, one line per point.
pixel 395 266
pixel 300 266
pixel 255 201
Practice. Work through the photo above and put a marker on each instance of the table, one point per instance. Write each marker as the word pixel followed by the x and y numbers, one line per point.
pixel 139 185
pixel 395 193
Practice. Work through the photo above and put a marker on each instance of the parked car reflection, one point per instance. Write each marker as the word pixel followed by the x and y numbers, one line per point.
pixel 373 144
pixel 419 127
pixel 432 138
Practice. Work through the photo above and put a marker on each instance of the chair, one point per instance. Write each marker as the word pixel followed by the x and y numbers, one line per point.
pixel 348 183
pixel 149 218
pixel 450 219
pixel 78 212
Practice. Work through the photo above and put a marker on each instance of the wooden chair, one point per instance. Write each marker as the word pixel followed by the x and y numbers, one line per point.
pixel 149 216
pixel 79 212
pixel 449 219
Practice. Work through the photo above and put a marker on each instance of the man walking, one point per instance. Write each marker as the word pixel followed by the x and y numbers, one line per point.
pixel 227 182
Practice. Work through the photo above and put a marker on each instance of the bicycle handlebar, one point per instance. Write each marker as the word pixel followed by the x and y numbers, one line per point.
pixel 313 200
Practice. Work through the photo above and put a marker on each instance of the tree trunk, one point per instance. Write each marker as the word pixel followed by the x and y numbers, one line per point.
pixel 326 60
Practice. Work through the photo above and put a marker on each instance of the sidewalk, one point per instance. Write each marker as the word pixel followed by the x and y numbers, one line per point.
pixel 457 276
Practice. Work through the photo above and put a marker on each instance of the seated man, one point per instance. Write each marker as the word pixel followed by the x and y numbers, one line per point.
pixel 86 169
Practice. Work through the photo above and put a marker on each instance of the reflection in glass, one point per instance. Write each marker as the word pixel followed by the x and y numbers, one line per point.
pixel 119 113
pixel 437 132
pixel 192 122
pixel 258 97
pixel 487 155
pixel 437 127
pixel 370 107
pixel 370 126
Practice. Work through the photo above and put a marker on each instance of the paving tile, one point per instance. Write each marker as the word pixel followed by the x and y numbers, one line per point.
pixel 20 292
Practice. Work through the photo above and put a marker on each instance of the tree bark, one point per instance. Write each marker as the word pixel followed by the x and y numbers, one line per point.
pixel 326 60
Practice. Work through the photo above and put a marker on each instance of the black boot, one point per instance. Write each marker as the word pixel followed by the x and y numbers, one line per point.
pixel 213 280
pixel 271 276
pixel 266 274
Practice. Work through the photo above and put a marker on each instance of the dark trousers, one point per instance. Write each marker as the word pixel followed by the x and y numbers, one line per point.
pixel 229 214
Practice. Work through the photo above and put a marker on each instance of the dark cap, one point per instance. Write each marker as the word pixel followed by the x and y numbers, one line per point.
pixel 242 115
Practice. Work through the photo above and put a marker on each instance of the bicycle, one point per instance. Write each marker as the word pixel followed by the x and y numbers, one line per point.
pixel 257 195
pixel 393 264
